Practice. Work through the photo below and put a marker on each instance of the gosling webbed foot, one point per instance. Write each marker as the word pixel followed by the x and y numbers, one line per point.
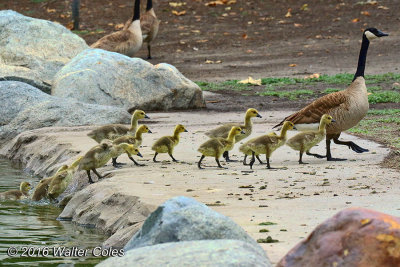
pixel 316 155
pixel 334 159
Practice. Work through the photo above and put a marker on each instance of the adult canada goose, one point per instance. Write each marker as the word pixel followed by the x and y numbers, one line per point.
pixel 149 24
pixel 223 131
pixel 266 144
pixel 113 131
pixel 216 146
pixel 348 107
pixel 22 193
pixel 126 41
pixel 304 141
pixel 166 144
pixel 99 155
pixel 136 141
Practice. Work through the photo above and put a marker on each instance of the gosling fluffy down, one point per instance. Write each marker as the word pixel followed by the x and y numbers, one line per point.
pixel 215 147
pixel 166 144
pixel 304 141
pixel 22 193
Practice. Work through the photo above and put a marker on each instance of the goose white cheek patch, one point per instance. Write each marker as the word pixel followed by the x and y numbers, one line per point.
pixel 370 35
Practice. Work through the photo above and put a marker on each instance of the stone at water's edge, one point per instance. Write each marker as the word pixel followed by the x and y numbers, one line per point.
pixel 34 50
pixel 108 78
pixel 25 108
pixel 185 219
pixel 204 253
pixel 354 237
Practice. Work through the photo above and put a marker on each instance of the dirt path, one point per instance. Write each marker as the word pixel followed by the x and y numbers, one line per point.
pixel 297 199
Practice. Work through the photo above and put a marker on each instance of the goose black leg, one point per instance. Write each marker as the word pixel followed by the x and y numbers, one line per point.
pixel 199 163
pixel 154 158
pixel 252 159
pixel 219 164
pixel 117 164
pixel 90 178
pixel 328 151
pixel 268 166
pixel 259 160
pixel 226 156
pixel 173 159
pixel 149 51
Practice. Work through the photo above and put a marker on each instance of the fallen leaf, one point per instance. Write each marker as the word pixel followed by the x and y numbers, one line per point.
pixel 355 20
pixel 288 14
pixel 202 41
pixel 304 7
pixel 213 62
pixel 49 10
pixel 179 13
pixel 372 3
pixel 365 13
pixel 176 4
pixel 195 31
pixel 119 26
pixel 313 76
pixel 297 25
pixel 122 6
pixel 244 36
pixel 383 7
pixel 214 3
pixel 292 65
pixel 250 80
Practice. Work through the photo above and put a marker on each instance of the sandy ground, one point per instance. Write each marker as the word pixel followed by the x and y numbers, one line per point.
pixel 297 199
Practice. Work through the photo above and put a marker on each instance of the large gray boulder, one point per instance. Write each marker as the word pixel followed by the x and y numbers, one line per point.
pixel 205 253
pixel 25 108
pixel 185 219
pixel 108 78
pixel 34 50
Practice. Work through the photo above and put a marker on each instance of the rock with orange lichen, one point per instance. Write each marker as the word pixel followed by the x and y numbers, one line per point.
pixel 353 237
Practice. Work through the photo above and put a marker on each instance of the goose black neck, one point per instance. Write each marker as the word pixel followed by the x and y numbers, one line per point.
pixel 149 5
pixel 136 11
pixel 362 58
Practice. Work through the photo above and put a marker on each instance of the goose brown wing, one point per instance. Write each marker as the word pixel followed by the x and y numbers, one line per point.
pixel 313 112
pixel 146 22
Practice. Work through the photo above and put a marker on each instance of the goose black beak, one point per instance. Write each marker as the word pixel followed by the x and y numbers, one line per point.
pixel 140 155
pixel 186 131
pixel 147 117
pixel 333 120
pixel 381 34
pixel 294 128
pixel 259 116
pixel 242 132
pixel 150 131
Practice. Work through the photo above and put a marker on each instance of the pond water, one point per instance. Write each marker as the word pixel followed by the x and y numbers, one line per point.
pixel 31 227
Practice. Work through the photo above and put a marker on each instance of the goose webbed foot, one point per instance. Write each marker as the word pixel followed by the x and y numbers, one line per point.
pixel 226 156
pixel 334 159
pixel 117 164
pixel 219 164
pixel 136 163
pixel 353 146
pixel 173 159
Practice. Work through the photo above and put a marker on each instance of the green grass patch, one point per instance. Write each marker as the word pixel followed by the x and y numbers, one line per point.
pixel 264 230
pixel 292 95
pixel 38 1
pixel 383 111
pixel 226 85
pixel 332 90
pixel 267 223
pixel 269 239
pixel 384 97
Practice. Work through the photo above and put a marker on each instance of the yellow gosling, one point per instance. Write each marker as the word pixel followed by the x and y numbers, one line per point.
pixel 113 131
pixel 223 131
pixel 215 147
pixel 304 141
pixel 247 151
pixel 42 187
pixel 22 193
pixel 133 140
pixel 99 155
pixel 266 144
pixel 166 144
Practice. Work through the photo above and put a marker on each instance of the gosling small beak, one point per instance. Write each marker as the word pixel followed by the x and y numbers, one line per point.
pixel 150 131
pixel 242 132
pixel 185 131
pixel 258 116
pixel 140 155
pixel 294 128
pixel 333 120
pixel 147 117
pixel 381 34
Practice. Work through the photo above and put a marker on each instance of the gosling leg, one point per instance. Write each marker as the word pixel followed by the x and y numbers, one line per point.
pixel 117 164
pixel 90 178
pixel 252 159
pixel 259 160
pixel 219 164
pixel 199 163
pixel 134 161
pixel 149 51
pixel 301 158
pixel 98 175
pixel 226 156
pixel 173 159
pixel 154 158
pixel 315 155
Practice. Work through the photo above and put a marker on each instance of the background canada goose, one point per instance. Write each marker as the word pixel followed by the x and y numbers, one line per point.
pixel 348 107
pixel 266 144
pixel 304 141
pixel 149 24
pixel 166 144
pixel 136 141
pixel 22 193
pixel 99 155
pixel 216 146
pixel 126 41
pixel 223 131
pixel 113 131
